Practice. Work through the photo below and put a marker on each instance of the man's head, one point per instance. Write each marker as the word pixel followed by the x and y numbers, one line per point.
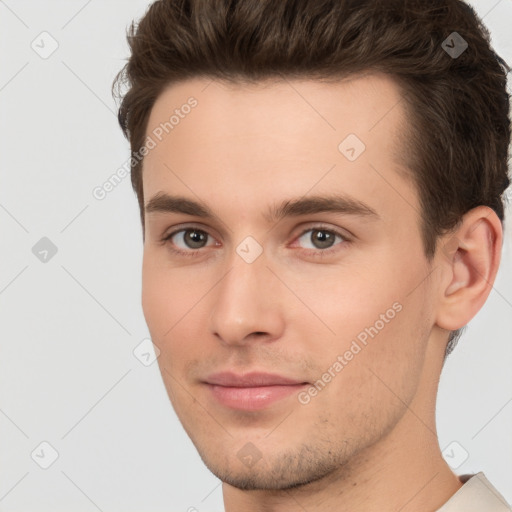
pixel 320 188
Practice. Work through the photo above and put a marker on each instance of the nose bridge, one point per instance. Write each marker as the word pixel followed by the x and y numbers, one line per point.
pixel 245 300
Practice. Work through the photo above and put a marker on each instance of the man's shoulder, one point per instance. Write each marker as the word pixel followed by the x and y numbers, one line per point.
pixel 476 495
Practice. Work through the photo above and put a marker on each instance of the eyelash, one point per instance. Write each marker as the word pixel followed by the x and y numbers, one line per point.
pixel 311 252
pixel 166 239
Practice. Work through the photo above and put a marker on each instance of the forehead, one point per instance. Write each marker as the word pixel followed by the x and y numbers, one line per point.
pixel 357 103
pixel 280 137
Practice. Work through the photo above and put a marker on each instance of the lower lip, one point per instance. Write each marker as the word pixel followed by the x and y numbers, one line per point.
pixel 252 399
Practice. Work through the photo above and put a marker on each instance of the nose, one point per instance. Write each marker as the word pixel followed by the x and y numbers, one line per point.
pixel 247 304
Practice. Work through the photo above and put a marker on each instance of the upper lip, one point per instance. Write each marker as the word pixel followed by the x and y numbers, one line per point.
pixel 248 380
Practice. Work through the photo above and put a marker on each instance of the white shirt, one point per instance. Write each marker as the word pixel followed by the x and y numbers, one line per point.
pixel 476 495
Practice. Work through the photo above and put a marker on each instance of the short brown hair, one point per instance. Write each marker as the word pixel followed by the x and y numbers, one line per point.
pixel 457 105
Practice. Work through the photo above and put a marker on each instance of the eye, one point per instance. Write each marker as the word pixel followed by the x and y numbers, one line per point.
pixel 189 239
pixel 320 238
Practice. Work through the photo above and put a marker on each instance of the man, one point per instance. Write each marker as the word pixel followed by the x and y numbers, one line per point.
pixel 320 189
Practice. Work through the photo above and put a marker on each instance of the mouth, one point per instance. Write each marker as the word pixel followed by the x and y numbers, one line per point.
pixel 252 391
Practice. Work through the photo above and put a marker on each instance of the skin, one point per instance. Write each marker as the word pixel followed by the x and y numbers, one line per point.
pixel 367 440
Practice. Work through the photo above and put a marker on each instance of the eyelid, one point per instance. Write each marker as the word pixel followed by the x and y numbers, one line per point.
pixel 319 226
pixel 175 232
pixel 184 227
pixel 165 240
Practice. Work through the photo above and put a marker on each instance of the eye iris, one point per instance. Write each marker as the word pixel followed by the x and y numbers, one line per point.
pixel 195 239
pixel 322 239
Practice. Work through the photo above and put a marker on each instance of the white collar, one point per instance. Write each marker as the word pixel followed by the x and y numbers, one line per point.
pixel 476 495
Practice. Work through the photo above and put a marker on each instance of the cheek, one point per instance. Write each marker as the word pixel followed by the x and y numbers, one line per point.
pixel 371 377
pixel 166 294
pixel 171 304
pixel 343 302
pixel 156 301
pixel 379 316
pixel 163 306
pixel 387 345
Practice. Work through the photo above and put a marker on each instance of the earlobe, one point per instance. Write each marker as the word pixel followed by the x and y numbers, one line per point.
pixel 469 259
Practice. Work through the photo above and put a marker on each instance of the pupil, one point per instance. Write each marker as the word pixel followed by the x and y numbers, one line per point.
pixel 322 239
pixel 195 239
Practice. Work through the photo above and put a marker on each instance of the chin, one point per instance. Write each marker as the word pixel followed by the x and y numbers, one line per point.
pixel 273 471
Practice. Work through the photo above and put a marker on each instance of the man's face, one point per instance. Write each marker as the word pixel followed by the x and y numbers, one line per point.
pixel 332 296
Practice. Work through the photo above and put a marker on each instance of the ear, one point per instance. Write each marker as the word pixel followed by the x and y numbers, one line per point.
pixel 469 259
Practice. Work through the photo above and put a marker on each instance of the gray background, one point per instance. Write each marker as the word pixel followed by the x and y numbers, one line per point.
pixel 69 326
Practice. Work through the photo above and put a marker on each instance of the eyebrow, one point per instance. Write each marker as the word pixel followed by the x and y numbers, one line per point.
pixel 165 203
pixel 342 204
pixel 320 204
